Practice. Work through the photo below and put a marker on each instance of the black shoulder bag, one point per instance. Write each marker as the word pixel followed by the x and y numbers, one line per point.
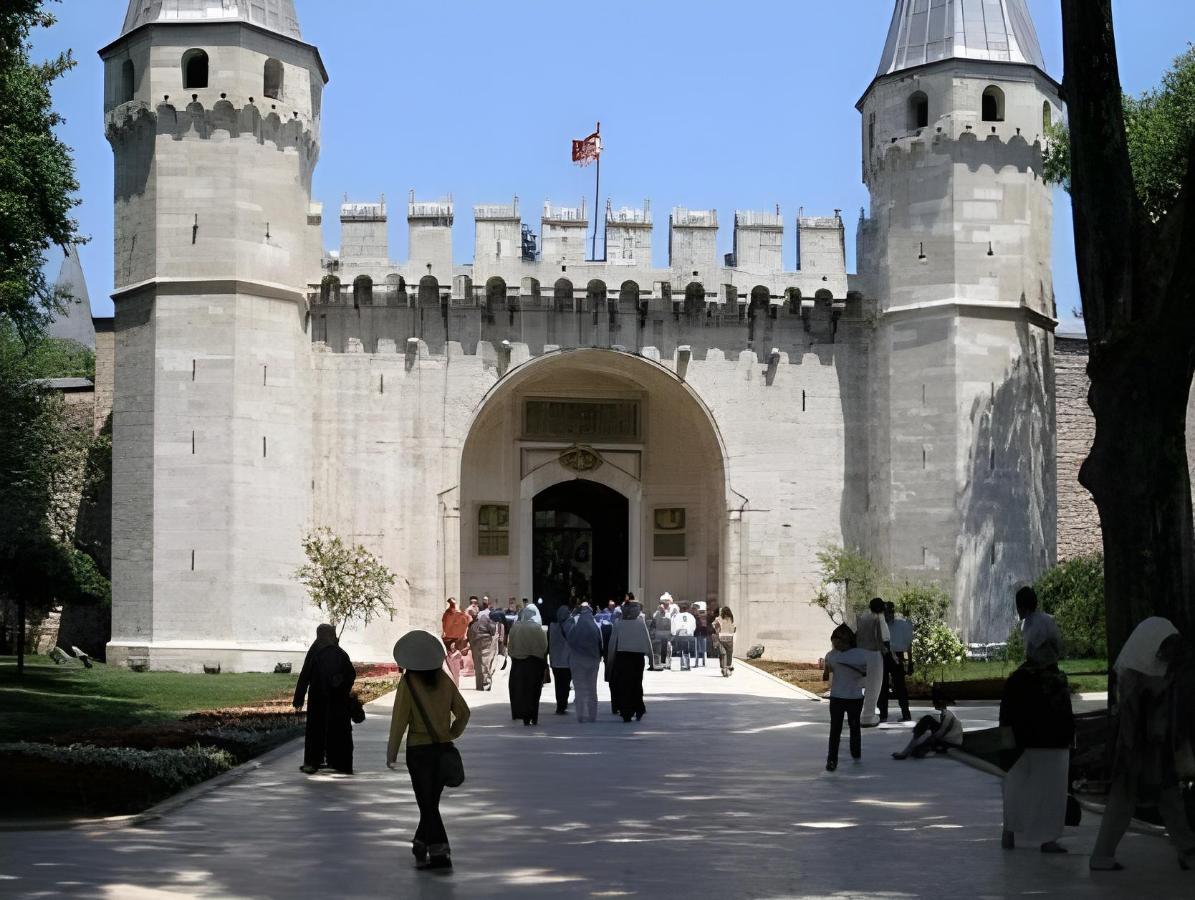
pixel 452 767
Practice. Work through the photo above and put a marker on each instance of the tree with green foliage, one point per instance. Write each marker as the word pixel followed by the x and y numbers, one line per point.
pixel 37 176
pixel 1132 183
pixel 849 581
pixel 345 582
pixel 1073 593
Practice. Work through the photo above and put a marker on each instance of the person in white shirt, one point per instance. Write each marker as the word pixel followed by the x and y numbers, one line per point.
pixel 872 637
pixel 684 626
pixel 849 666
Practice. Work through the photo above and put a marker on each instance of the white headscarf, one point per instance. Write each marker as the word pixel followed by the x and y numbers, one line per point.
pixel 530 613
pixel 1140 651
pixel 1043 640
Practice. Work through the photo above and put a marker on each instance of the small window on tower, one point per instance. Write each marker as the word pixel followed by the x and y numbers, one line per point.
pixel 1047 116
pixel 918 111
pixel 128 81
pixel 274 75
pixel 195 70
pixel 993 104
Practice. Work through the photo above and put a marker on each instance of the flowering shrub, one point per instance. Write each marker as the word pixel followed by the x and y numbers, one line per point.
pixel 935 647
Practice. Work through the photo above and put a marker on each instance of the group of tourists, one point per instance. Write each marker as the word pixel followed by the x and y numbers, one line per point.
pixel 685 632
pixel 1152 686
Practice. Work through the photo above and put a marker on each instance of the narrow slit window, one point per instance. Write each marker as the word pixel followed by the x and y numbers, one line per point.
pixel 264 448
pixel 128 81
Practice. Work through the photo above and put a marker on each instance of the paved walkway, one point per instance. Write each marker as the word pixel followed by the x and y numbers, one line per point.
pixel 719 792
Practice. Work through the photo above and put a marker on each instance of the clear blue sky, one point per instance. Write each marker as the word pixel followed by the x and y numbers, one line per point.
pixel 702 104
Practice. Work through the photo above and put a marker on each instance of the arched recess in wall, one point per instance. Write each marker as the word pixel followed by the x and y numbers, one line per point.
pixel 824 294
pixel 792 299
pixel 595 294
pixel 429 291
pixel 757 310
pixel 495 296
pixel 918 111
pixel 530 292
pixel 396 289
pixel 497 434
pixel 195 70
pixel 329 289
pixel 562 294
pixel 362 291
pixel 694 299
pixel 128 81
pixel 274 79
pixel 993 104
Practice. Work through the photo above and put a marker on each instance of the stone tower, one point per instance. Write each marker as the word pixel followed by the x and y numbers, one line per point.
pixel 213 112
pixel 957 250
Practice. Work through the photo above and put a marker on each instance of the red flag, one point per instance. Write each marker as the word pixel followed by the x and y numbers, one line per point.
pixel 589 149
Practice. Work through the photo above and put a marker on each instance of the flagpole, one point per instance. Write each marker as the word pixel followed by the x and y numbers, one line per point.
pixel 597 186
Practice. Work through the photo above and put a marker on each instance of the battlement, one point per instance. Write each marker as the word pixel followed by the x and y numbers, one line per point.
pixel 566 215
pixel 754 219
pixel 694 218
pixel 438 210
pixel 363 212
pixel 198 122
pixel 496 212
pixel 629 216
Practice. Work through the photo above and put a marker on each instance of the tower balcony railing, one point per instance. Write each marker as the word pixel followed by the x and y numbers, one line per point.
pixel 496 210
pixel 627 215
pixel 363 212
pixel 429 209
pixel 565 214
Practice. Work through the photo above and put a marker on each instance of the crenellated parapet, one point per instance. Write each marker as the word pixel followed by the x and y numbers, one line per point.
pixel 220 121
pixel 967 148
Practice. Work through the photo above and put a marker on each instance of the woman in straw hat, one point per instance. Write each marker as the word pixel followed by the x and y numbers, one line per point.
pixel 432 714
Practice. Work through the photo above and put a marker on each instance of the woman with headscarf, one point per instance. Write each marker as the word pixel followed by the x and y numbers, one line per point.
pixel 585 652
pixel 630 647
pixel 1036 710
pixel 558 652
pixel 1155 703
pixel 326 681
pixel 431 712
pixel 528 649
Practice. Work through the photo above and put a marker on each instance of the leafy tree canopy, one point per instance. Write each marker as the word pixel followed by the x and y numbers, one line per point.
pixel 37 176
pixel 45 357
pixel 345 582
pixel 1160 127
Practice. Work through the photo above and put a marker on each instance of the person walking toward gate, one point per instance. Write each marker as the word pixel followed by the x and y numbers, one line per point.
pixel 872 638
pixel 724 633
pixel 899 656
pixel 585 651
pixel 558 653
pixel 630 647
pixel 848 664
pixel 528 648
pixel 483 644
pixel 431 713
pixel 326 681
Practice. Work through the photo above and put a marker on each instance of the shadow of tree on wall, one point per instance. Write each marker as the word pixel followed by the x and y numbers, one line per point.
pixel 1008 503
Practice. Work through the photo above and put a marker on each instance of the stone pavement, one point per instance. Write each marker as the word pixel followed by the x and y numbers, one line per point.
pixel 720 792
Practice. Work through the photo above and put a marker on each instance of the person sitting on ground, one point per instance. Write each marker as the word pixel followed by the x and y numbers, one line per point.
pixel 933 735
pixel 848 664
pixel 1153 682
pixel 1036 716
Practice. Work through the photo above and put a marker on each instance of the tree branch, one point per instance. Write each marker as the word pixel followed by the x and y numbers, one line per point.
pixel 1104 199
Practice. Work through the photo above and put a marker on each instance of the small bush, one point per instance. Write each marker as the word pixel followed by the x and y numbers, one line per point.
pixel 935 647
pixel 175 769
pixel 1073 593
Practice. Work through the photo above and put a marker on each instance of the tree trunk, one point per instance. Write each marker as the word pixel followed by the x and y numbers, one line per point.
pixel 1138 475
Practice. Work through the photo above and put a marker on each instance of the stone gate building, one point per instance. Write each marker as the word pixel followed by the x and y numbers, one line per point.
pixel 537 423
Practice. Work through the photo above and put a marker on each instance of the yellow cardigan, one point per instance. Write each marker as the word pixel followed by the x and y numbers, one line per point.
pixel 444 705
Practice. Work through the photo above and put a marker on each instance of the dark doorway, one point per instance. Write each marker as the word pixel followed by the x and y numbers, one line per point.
pixel 579 545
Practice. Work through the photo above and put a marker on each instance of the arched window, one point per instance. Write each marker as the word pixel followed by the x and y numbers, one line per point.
pixel 363 291
pixel 495 296
pixel 128 81
pixel 562 294
pixel 274 75
pixel 429 291
pixel 993 104
pixel 918 111
pixel 195 70
pixel 694 299
pixel 1047 116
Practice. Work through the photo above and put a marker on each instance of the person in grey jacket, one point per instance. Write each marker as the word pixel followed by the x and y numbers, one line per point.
pixel 630 646
pixel 558 653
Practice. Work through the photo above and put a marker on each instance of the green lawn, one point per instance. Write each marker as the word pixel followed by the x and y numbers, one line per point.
pixel 1085 675
pixel 52 700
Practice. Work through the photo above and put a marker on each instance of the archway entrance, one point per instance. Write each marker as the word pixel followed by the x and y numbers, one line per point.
pixel 579 544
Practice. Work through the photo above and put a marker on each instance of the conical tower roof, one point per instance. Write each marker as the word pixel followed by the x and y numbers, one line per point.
pixel 925 31
pixel 275 15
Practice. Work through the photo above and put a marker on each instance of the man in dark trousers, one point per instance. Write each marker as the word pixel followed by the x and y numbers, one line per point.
pixel 897 662
pixel 326 681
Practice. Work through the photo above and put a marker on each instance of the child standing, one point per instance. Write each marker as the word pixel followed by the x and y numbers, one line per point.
pixel 849 666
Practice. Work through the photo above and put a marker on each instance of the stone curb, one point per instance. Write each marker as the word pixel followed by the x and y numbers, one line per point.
pixel 983 765
pixel 806 695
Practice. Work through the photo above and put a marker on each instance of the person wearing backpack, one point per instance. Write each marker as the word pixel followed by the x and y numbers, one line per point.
pixel 431 713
